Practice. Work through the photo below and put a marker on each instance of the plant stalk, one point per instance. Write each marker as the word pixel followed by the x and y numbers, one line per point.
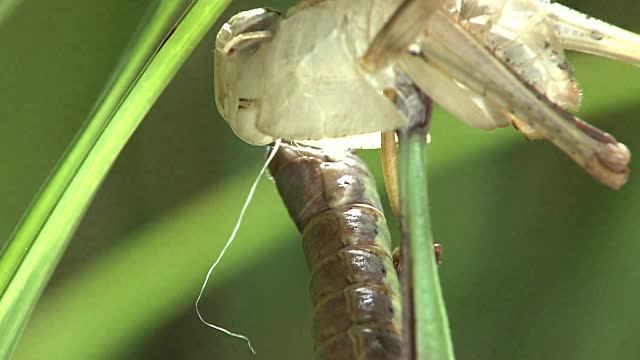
pixel 424 315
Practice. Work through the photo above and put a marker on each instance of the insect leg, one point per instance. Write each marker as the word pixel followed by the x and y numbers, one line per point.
pixel 389 154
pixel 584 33
pixel 402 28
pixel 474 67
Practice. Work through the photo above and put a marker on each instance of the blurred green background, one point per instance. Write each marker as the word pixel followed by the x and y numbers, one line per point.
pixel 540 261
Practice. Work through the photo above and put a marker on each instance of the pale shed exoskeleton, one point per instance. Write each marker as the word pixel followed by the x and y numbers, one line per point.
pixel 325 69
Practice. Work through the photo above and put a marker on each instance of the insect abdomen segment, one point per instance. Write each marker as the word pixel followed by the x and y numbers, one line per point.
pixel 354 287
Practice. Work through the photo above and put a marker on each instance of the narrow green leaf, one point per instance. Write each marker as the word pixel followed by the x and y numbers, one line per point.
pixel 146 41
pixel 431 326
pixel 40 239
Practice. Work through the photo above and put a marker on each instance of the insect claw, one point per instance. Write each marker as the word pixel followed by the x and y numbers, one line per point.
pixel 395 255
pixel 437 247
pixel 437 251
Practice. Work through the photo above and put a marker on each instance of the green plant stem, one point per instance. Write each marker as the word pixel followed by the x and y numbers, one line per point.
pixel 428 320
pixel 40 239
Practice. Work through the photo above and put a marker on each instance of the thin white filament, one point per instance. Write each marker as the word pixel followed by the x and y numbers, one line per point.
pixel 252 191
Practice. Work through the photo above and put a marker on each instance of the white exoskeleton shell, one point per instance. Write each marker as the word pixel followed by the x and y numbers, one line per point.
pixel 491 63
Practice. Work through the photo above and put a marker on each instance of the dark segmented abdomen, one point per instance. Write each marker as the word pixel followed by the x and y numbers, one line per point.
pixel 354 288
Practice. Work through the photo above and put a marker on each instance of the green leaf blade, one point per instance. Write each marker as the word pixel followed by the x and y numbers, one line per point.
pixel 39 241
